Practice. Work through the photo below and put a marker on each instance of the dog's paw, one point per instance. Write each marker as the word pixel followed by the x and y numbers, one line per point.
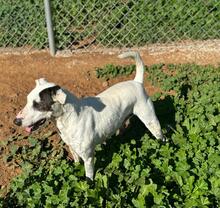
pixel 90 182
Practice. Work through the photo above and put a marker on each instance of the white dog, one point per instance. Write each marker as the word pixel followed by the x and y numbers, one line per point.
pixel 84 123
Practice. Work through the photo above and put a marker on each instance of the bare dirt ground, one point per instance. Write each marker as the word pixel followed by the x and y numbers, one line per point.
pixel 75 72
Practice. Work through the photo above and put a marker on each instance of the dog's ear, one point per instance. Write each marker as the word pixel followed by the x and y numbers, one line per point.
pixel 40 81
pixel 60 96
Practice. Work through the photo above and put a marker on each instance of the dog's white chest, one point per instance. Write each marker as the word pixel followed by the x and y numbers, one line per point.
pixel 63 133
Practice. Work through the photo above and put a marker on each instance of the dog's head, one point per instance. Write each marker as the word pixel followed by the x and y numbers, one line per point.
pixel 43 102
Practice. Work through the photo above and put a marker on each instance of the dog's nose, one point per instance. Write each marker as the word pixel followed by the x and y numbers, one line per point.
pixel 18 121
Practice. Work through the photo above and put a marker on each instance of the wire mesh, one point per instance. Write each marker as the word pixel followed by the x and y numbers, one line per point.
pixel 22 24
pixel 82 24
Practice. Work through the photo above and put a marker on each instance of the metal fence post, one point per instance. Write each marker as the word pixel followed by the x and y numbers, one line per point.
pixel 48 15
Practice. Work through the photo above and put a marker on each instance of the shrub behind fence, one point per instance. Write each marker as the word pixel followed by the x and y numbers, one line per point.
pixel 104 23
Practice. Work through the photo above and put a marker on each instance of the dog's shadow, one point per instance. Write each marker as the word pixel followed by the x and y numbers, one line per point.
pixel 166 115
pixel 93 102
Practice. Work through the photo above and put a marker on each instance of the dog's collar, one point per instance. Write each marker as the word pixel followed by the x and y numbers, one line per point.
pixel 57 110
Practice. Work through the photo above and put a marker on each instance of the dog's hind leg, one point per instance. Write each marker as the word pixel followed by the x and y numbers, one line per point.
pixel 144 110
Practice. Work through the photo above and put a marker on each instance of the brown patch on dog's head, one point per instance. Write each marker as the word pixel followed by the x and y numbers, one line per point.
pixel 46 99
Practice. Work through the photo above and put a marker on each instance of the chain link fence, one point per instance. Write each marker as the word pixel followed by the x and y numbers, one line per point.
pixel 98 24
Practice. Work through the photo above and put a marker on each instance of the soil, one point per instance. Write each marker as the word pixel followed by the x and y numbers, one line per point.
pixel 76 72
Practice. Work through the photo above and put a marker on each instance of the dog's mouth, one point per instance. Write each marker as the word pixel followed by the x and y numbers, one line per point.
pixel 35 126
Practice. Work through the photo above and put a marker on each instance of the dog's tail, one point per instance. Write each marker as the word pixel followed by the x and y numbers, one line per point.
pixel 139 65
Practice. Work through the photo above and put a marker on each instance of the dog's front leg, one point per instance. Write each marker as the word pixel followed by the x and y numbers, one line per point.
pixel 89 167
pixel 74 154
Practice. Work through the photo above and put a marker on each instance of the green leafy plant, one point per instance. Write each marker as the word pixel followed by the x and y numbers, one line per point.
pixel 135 170
pixel 111 71
pixel 109 23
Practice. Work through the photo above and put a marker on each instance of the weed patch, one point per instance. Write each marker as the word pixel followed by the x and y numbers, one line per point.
pixel 135 170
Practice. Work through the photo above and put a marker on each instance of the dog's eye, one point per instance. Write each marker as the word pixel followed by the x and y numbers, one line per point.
pixel 41 106
pixel 36 105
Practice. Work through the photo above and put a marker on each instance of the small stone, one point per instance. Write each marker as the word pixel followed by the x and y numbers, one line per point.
pixel 12 130
pixel 105 84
